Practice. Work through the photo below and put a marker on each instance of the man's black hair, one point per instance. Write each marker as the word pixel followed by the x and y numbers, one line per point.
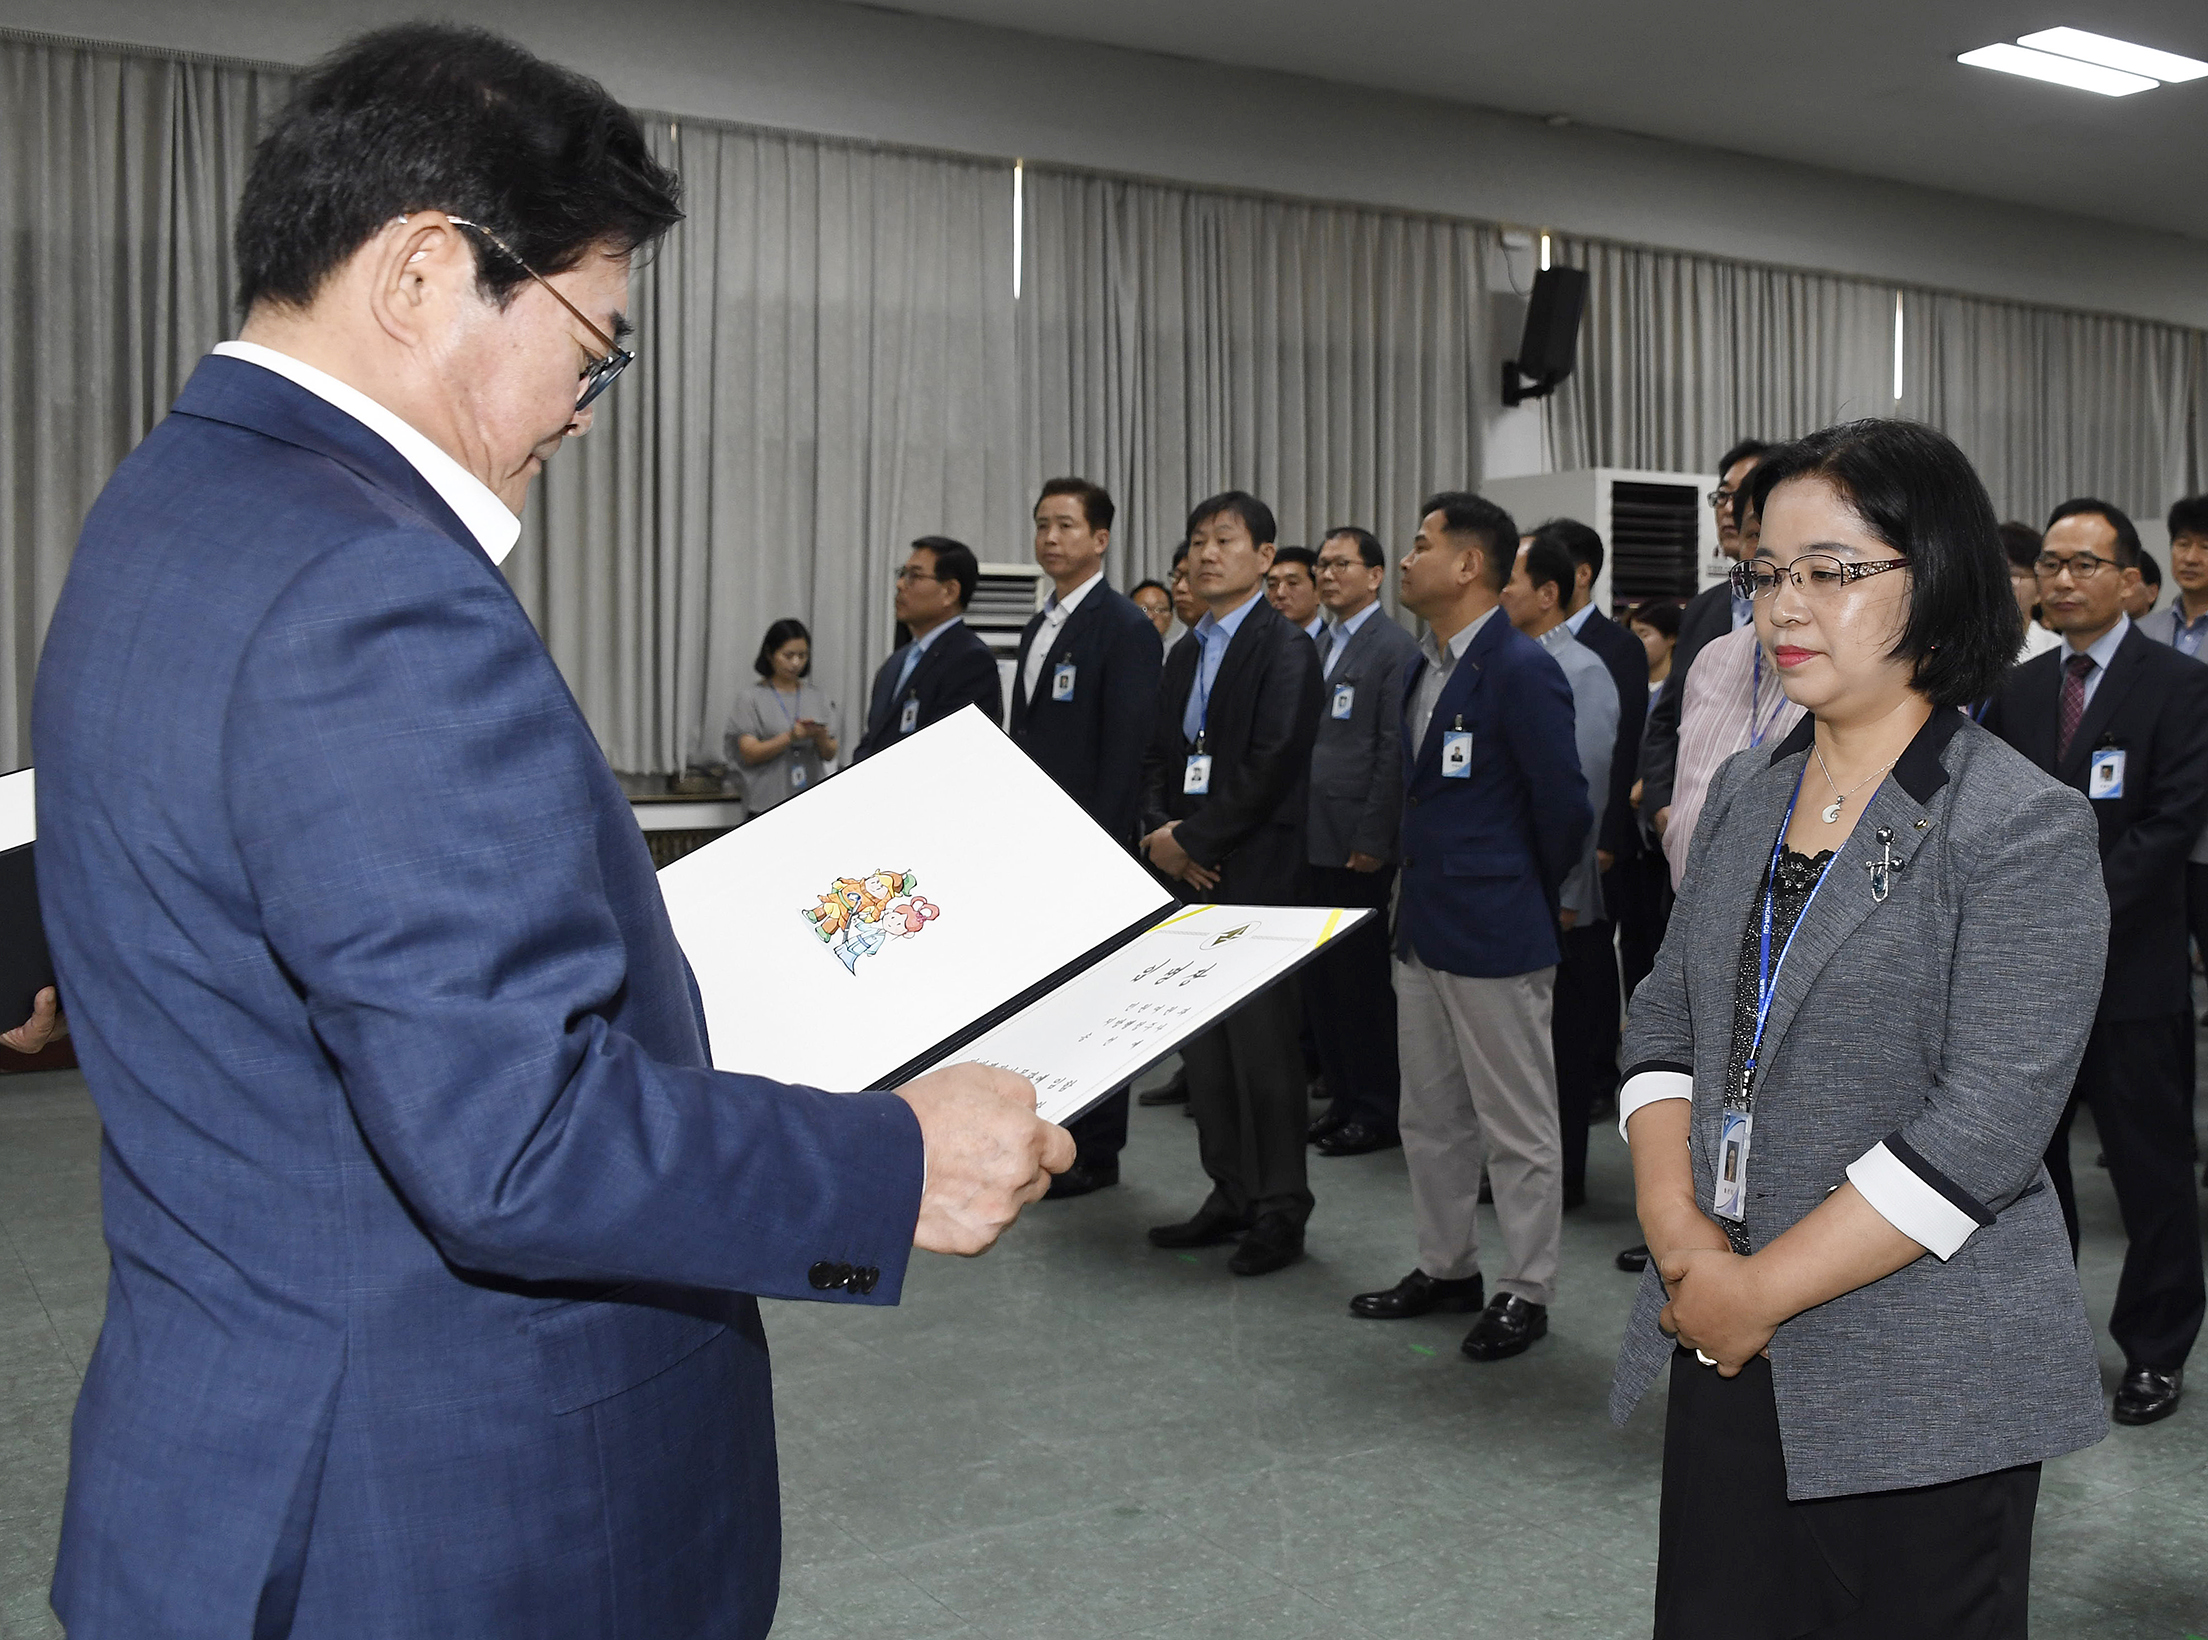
pixel 1096 501
pixel 1180 554
pixel 2189 517
pixel 1548 563
pixel 1582 541
pixel 2021 542
pixel 1298 555
pixel 1160 585
pixel 1256 517
pixel 434 116
pixel 786 630
pixel 1916 492
pixel 1741 452
pixel 954 561
pixel 1368 544
pixel 1463 513
pixel 2149 571
pixel 2128 550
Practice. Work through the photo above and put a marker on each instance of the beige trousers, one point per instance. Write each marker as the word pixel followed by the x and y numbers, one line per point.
pixel 1479 1091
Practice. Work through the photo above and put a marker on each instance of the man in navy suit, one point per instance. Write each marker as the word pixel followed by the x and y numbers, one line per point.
pixel 1495 816
pixel 1084 694
pixel 944 665
pixel 431 1229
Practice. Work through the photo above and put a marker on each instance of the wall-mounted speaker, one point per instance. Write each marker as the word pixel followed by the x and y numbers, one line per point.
pixel 1551 340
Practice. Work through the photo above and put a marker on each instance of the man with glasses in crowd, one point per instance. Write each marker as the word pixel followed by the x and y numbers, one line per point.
pixel 2125 721
pixel 431 1227
pixel 944 665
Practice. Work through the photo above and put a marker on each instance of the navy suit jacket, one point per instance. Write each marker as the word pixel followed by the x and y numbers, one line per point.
pixel 1484 856
pixel 430 1225
pixel 1092 744
pixel 956 671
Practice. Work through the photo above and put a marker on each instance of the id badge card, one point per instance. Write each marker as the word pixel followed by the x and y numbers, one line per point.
pixel 1345 697
pixel 797 777
pixel 909 719
pixel 1730 1199
pixel 1456 754
pixel 1196 777
pixel 1061 683
pixel 2105 776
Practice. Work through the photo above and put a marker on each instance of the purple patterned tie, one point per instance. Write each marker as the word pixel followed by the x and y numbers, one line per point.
pixel 2073 702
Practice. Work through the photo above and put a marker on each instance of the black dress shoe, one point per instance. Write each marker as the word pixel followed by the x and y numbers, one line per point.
pixel 2148 1394
pixel 1080 1179
pixel 1417 1294
pixel 1321 1126
pixel 1275 1241
pixel 1208 1228
pixel 1634 1259
pixel 1506 1327
pixel 1174 1092
pixel 1356 1139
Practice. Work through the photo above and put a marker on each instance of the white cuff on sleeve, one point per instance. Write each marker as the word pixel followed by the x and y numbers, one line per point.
pixel 1911 1205
pixel 1648 1088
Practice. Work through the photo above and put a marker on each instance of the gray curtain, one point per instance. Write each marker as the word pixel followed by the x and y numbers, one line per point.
pixel 119 175
pixel 825 371
pixel 1176 342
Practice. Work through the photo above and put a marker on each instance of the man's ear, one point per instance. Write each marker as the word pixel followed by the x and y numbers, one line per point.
pixel 416 267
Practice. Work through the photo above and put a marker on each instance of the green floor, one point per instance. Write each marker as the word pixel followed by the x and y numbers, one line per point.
pixel 1078 1435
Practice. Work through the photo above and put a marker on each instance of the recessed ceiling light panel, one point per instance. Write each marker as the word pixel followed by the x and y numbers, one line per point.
pixel 2044 65
pixel 2118 54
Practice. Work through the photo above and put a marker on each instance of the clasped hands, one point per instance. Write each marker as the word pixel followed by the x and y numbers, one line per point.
pixel 1718 1302
pixel 1163 850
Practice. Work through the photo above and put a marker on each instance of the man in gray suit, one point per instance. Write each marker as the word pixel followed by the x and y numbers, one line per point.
pixel 1536 599
pixel 1356 810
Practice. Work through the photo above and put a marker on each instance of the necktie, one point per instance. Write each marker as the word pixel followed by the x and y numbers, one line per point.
pixel 2079 667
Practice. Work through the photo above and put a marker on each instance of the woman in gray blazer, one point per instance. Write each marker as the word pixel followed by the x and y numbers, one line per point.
pixel 1860 1280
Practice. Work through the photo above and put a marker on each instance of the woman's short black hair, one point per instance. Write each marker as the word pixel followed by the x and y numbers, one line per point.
pixel 432 116
pixel 954 561
pixel 1914 490
pixel 786 630
pixel 1660 613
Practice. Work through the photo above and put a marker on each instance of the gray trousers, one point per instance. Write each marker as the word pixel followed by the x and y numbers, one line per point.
pixel 1479 1090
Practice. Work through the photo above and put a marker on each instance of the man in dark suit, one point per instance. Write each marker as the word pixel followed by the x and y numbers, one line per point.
pixel 1496 815
pixel 431 1226
pixel 1710 613
pixel 1587 1012
pixel 2125 720
pixel 1356 808
pixel 1084 699
pixel 944 665
pixel 1224 783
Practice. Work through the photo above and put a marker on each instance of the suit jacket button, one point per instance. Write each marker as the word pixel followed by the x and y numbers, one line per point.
pixel 863 1279
pixel 1408 862
pixel 822 1276
pixel 843 1276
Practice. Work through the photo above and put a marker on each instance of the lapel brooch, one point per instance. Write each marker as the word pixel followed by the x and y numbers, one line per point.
pixel 1883 868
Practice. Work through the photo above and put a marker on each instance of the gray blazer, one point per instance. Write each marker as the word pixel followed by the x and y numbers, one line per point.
pixel 1357 762
pixel 1946 1025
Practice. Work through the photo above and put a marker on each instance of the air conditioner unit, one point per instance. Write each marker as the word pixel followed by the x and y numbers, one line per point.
pixel 1658 533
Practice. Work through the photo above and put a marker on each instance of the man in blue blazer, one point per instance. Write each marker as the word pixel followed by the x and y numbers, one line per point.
pixel 432 1232
pixel 944 665
pixel 1495 815
pixel 1084 694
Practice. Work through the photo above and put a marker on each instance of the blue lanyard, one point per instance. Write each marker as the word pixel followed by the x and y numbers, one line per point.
pixel 1767 975
pixel 791 706
pixel 1203 688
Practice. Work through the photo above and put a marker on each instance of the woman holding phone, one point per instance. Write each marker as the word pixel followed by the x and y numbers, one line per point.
pixel 781 737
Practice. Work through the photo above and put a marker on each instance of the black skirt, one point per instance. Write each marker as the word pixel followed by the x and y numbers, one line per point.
pixel 1737 1561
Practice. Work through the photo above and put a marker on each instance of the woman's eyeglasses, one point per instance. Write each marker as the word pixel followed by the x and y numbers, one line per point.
pixel 600 373
pixel 1819 574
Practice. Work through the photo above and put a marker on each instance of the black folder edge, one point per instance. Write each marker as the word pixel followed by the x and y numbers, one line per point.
pixel 1355 918
pixel 26 965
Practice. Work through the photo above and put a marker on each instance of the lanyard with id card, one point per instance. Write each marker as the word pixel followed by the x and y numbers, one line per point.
pixel 1196 773
pixel 1736 1132
pixel 1061 680
pixel 1456 752
pixel 2105 774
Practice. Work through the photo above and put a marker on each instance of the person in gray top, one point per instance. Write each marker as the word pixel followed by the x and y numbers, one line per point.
pixel 1861 1284
pixel 781 734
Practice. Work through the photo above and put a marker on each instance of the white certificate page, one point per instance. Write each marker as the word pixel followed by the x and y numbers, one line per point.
pixel 1103 1028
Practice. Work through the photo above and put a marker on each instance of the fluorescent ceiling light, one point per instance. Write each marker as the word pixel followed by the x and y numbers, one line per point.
pixel 2117 54
pixel 2042 65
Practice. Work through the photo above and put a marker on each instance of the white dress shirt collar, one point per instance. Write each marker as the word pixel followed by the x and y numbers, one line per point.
pixel 494 528
pixel 1072 600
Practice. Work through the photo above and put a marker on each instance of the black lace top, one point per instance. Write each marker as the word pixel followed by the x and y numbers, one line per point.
pixel 1797 879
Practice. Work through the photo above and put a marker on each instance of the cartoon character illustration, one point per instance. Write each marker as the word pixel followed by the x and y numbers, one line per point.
pixel 860 915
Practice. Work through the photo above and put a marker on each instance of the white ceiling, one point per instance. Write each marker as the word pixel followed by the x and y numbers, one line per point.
pixel 1870 86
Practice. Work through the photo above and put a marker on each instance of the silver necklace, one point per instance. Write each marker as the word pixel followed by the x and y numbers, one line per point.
pixel 1830 813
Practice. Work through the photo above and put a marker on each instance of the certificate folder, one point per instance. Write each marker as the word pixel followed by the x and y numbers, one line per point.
pixel 26 968
pixel 945 900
